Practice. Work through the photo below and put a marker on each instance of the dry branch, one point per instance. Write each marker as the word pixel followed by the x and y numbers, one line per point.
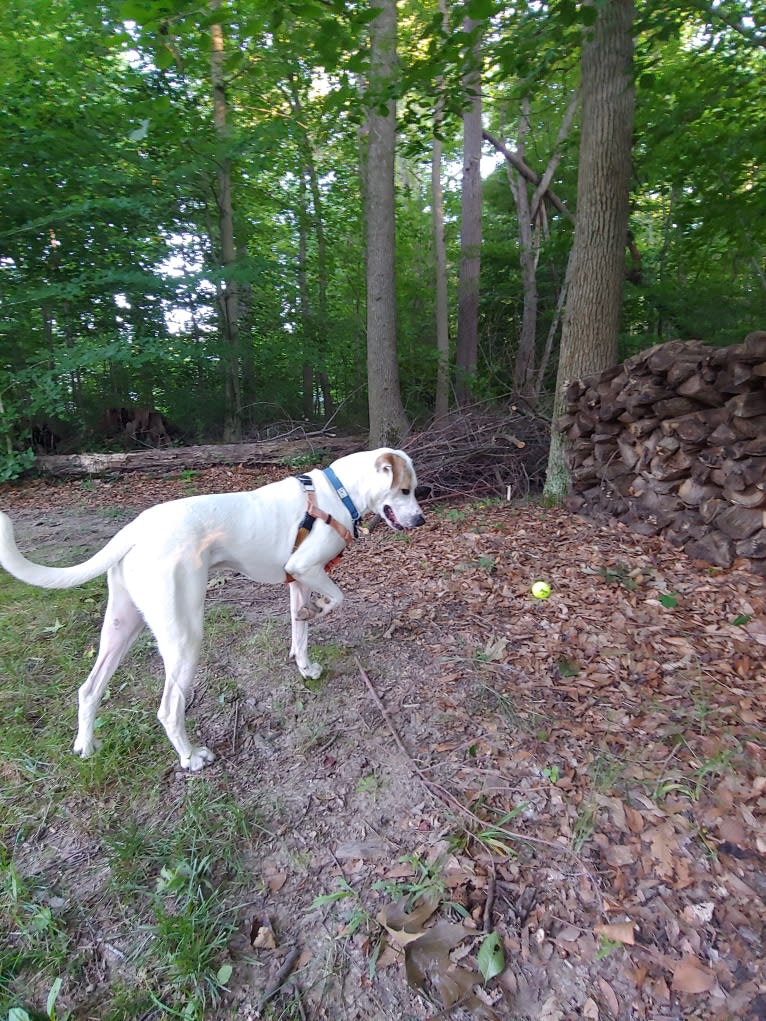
pixel 482 451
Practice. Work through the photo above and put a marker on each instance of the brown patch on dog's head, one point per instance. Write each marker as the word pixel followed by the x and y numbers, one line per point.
pixel 401 473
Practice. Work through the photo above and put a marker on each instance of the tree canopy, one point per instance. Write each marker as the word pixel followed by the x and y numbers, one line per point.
pixel 111 260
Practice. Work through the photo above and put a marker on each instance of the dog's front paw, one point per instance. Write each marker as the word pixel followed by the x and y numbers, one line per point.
pixel 197 760
pixel 306 613
pixel 311 671
pixel 322 605
pixel 85 748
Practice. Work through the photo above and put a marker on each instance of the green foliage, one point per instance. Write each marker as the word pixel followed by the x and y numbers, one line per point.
pixel 110 262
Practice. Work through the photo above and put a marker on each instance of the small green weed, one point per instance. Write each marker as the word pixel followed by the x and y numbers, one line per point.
pixel 583 827
pixel 495 836
pixel 606 947
pixel 354 913
pixel 370 784
pixel 308 460
pixel 605 770
pixel 427 883
pixel 531 722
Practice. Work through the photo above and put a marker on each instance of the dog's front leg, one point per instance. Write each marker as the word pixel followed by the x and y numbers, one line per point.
pixel 329 596
pixel 300 596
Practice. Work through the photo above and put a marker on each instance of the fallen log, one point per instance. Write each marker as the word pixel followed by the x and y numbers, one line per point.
pixel 326 447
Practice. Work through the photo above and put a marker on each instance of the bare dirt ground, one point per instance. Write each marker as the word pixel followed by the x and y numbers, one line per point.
pixel 586 774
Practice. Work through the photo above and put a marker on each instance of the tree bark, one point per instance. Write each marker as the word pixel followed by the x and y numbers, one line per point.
pixel 594 303
pixel 388 422
pixel 533 226
pixel 470 229
pixel 529 247
pixel 228 297
pixel 441 403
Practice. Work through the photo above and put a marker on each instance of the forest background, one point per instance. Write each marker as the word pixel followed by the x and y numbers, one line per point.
pixel 188 193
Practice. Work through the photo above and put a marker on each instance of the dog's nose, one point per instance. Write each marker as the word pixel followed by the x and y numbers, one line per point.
pixel 419 520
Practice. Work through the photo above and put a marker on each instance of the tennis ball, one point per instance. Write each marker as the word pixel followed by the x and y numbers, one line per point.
pixel 541 590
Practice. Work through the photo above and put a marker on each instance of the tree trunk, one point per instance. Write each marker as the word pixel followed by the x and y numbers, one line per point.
pixel 388 422
pixel 528 255
pixel 470 229
pixel 533 226
pixel 228 298
pixel 441 403
pixel 594 303
pixel 314 315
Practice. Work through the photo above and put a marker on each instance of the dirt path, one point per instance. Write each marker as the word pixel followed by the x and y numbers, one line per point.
pixel 584 775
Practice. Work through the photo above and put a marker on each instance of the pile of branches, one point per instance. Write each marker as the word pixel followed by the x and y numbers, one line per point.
pixel 480 452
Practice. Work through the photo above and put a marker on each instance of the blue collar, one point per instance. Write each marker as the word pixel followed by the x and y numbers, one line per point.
pixel 348 503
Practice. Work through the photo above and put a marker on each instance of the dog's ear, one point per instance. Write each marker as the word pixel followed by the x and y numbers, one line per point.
pixel 395 466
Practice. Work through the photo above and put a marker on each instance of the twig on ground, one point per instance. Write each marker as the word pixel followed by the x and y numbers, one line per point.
pixel 446 797
pixel 273 988
pixel 489 903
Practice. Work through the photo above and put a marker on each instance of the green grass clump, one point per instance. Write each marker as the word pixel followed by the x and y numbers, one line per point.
pixel 115 855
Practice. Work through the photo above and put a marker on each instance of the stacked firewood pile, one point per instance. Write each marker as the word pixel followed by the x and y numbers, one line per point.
pixel 673 443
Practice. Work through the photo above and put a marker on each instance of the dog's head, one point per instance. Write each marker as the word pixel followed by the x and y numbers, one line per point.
pixel 394 498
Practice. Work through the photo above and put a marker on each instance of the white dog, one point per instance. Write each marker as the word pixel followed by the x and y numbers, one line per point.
pixel 158 568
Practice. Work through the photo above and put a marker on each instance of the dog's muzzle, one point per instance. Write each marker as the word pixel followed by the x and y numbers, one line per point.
pixel 401 526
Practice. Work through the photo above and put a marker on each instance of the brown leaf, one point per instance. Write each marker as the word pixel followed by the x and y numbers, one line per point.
pixel 430 969
pixel 619 932
pixel 691 976
pixel 610 997
pixel 262 935
pixel 406 926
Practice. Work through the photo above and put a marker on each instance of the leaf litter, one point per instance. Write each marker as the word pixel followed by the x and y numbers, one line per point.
pixel 582 777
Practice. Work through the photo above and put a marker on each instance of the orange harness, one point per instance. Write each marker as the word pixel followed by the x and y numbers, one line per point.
pixel 313 512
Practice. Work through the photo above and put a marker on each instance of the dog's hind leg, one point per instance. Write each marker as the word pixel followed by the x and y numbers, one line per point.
pixel 122 625
pixel 178 630
pixel 300 596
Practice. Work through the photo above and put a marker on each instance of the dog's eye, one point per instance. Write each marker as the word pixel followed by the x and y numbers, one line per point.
pixel 405 492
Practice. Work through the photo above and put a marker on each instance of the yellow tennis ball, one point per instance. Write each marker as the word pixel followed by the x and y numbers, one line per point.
pixel 541 590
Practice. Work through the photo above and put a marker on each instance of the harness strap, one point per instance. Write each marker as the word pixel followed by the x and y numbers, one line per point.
pixel 314 512
pixel 342 492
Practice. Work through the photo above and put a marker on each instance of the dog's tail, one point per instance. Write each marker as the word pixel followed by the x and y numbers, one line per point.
pixel 58 577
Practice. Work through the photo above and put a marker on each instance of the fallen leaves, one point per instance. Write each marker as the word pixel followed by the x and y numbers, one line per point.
pixel 618 725
pixel 690 976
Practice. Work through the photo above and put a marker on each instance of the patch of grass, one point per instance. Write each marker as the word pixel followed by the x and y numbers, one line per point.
pixel 44 657
pixel 33 938
pixel 113 845
pixel 583 827
pixel 268 642
pixel 531 722
pixel 605 771
pixel 116 514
